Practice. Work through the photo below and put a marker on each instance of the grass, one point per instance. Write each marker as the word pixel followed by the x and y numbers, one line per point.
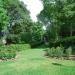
pixel 33 62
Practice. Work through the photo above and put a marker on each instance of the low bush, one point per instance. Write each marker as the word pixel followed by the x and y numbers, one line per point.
pixel 68 52
pixel 55 52
pixel 59 51
pixel 50 51
pixel 9 51
pixel 20 47
pixel 6 52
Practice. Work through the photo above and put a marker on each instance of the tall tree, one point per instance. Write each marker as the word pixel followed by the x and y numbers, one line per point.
pixel 19 18
pixel 60 13
pixel 3 18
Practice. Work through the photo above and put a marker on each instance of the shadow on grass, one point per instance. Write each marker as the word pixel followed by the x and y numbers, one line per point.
pixel 65 66
pixel 57 64
pixel 37 59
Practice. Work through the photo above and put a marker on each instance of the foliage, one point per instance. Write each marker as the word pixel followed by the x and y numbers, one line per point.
pixel 20 28
pixel 26 37
pixel 16 18
pixel 13 38
pixel 51 52
pixel 9 51
pixel 58 16
pixel 55 52
pixel 37 34
pixel 6 52
pixel 67 41
pixel 59 51
pixel 68 52
pixel 3 18
pixel 20 47
pixel 16 10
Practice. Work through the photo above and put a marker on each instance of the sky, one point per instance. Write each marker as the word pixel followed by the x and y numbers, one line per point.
pixel 35 7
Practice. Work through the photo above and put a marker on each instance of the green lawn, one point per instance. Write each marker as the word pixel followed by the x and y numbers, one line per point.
pixel 33 62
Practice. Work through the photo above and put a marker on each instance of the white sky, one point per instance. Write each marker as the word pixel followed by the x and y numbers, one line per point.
pixel 35 7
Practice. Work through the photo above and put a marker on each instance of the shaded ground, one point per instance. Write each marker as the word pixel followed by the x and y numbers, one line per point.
pixel 33 62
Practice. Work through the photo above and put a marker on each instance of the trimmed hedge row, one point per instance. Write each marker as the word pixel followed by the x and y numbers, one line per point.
pixel 20 47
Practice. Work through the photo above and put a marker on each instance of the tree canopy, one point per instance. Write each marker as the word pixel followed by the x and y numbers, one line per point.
pixel 58 17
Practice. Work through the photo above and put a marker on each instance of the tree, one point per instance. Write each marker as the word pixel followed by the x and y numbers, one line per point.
pixel 50 14
pixel 19 19
pixel 60 14
pixel 3 19
pixel 37 34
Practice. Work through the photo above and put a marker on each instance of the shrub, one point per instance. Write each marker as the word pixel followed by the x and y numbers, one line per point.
pixel 7 52
pixel 66 41
pixel 59 51
pixel 68 52
pixel 26 37
pixel 51 52
pixel 13 38
pixel 55 52
pixel 20 47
